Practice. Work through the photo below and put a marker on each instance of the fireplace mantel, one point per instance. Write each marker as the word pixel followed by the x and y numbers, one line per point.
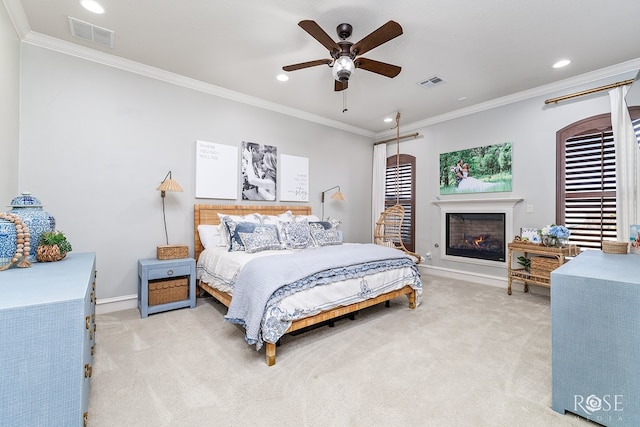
pixel 503 202
pixel 505 205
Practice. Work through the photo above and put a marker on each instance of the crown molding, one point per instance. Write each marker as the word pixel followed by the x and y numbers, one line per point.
pixel 603 73
pixel 68 48
pixel 18 17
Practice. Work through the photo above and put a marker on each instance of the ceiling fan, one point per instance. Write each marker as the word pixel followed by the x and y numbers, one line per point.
pixel 345 54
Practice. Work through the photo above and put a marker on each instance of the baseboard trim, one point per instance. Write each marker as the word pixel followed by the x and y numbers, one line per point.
pixel 469 276
pixel 109 305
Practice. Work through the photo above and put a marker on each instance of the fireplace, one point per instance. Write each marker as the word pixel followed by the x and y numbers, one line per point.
pixel 478 235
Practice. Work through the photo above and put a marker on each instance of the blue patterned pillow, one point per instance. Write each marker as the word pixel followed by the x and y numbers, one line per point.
pixel 325 225
pixel 295 235
pixel 263 238
pixel 323 237
pixel 234 228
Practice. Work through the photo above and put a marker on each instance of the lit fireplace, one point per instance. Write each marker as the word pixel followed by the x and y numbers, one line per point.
pixel 476 235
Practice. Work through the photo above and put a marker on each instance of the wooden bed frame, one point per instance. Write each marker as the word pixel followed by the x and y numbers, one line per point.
pixel 208 214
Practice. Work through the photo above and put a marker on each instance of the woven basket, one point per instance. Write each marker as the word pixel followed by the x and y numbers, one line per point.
pixel 162 291
pixel 173 251
pixel 542 266
pixel 49 253
pixel 609 247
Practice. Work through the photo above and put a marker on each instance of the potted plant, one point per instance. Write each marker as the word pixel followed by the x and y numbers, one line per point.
pixel 525 262
pixel 53 246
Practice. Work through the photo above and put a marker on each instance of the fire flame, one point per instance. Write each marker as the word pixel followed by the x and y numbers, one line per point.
pixel 478 241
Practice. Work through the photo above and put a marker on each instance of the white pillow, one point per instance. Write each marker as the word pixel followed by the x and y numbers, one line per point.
pixel 210 236
pixel 309 218
pixel 275 219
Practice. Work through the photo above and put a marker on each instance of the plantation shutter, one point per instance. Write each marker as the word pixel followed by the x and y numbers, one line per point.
pixel 400 181
pixel 586 193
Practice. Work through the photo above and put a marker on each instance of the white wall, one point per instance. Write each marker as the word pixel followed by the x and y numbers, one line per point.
pixel 96 141
pixel 531 126
pixel 9 107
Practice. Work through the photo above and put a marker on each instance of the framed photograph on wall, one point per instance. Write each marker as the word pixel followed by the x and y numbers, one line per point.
pixel 259 171
pixel 476 170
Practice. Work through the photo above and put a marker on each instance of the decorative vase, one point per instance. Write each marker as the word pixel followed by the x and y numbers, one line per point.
pixel 8 241
pixel 29 209
pixel 554 242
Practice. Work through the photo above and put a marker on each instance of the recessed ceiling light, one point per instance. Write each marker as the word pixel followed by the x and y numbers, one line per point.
pixel 388 119
pixel 282 77
pixel 92 6
pixel 562 63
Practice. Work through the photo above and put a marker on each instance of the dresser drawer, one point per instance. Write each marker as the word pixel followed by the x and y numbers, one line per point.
pixel 164 272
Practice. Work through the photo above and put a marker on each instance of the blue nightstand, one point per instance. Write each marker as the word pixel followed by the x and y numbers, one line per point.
pixel 153 272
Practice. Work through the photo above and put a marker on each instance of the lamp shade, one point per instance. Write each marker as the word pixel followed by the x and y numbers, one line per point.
pixel 338 195
pixel 169 184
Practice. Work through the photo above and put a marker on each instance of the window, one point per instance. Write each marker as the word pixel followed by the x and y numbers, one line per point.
pixel 400 187
pixel 586 179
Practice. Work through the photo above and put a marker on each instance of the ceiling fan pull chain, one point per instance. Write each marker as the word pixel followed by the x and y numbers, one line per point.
pixel 344 101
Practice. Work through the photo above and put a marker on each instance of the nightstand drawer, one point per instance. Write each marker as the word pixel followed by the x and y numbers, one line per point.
pixel 164 272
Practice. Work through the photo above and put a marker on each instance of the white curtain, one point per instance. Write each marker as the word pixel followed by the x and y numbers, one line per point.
pixel 378 183
pixel 627 166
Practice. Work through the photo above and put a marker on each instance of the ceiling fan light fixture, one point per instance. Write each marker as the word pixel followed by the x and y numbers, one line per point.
pixel 343 68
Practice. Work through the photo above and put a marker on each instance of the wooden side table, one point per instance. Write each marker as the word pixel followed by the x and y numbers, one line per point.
pixel 154 270
pixel 555 256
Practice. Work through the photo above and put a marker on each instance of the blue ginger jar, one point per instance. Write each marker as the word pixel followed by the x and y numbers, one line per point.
pixel 29 209
pixel 8 241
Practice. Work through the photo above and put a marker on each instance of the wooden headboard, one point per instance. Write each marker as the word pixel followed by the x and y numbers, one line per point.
pixel 208 214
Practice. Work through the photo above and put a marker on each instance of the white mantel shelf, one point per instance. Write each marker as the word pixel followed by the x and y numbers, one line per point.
pixel 503 201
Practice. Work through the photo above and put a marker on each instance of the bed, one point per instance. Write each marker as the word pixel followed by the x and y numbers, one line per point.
pixel 306 298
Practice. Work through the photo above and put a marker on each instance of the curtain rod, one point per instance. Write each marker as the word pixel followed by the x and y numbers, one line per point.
pixel 411 135
pixel 588 91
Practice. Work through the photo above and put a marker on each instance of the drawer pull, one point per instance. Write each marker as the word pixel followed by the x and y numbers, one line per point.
pixel 92 297
pixel 169 272
pixel 90 334
pixel 94 285
pixel 93 349
pixel 87 322
pixel 87 371
pixel 85 419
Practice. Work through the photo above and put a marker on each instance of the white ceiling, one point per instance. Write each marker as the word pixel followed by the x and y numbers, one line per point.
pixel 484 50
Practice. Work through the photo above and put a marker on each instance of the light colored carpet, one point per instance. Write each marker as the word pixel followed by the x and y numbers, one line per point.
pixel 469 355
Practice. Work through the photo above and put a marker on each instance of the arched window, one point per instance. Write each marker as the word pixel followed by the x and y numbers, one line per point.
pixel 586 179
pixel 400 186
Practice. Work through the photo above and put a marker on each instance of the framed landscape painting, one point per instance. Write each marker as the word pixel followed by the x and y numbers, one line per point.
pixel 476 170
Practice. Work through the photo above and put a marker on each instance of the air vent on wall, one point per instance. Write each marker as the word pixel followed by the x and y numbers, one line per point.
pixel 431 81
pixel 91 32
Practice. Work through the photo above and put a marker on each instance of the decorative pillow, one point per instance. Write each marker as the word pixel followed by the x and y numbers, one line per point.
pixel 234 229
pixel 324 225
pixel 308 218
pixel 295 235
pixel 224 229
pixel 275 219
pixel 263 237
pixel 322 237
pixel 209 236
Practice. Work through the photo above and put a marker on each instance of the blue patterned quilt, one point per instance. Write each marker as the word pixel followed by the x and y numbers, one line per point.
pixel 264 281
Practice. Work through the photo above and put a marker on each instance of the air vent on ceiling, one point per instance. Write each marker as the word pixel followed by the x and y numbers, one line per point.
pixel 431 81
pixel 91 32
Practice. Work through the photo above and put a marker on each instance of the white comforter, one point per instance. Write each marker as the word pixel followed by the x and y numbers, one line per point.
pixel 218 268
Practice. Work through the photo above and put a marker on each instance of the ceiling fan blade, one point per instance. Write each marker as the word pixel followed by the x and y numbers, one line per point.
pixel 338 86
pixel 319 34
pixel 378 67
pixel 388 31
pixel 307 64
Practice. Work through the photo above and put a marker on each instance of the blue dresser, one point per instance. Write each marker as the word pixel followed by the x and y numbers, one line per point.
pixel 47 334
pixel 595 338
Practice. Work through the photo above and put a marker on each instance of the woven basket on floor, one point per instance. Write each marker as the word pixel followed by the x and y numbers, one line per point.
pixel 609 247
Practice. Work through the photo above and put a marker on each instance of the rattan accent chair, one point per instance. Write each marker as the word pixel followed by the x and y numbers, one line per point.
pixel 388 231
